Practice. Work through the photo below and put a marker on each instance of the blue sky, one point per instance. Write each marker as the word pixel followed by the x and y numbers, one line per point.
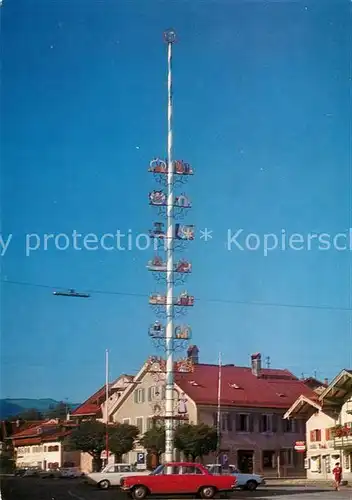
pixel 262 112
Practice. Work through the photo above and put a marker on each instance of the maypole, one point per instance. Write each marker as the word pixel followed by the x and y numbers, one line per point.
pixel 168 405
pixel 169 387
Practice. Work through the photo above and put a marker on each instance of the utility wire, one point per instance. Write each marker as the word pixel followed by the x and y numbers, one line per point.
pixel 220 301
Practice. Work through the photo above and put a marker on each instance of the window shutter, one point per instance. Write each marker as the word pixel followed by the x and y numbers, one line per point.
pixel 143 396
pixel 294 425
pixel 136 396
pixel 238 422
pixel 312 436
pixel 319 435
pixel 229 422
pixel 215 419
pixel 250 423
pixel 279 423
pixel 274 423
pixel 261 423
pixel 149 393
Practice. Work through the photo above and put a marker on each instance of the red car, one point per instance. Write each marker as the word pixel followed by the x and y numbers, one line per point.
pixel 178 478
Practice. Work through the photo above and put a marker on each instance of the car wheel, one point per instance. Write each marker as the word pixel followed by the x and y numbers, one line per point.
pixel 139 492
pixel 207 492
pixel 251 485
pixel 104 485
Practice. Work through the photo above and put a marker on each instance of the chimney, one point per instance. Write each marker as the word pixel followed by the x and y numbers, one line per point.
pixel 192 354
pixel 256 360
pixel 326 381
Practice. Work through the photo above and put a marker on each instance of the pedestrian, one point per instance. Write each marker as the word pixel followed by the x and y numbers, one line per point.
pixel 337 475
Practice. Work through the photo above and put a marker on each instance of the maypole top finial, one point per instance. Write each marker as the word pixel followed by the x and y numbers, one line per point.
pixel 170 36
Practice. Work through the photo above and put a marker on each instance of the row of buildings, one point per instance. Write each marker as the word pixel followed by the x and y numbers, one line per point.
pixel 272 422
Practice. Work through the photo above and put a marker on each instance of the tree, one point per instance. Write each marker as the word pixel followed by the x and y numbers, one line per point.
pixel 29 415
pixel 58 411
pixel 154 442
pixel 90 437
pixel 196 440
pixel 122 438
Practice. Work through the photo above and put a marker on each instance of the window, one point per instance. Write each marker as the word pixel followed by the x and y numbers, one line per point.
pixel 139 395
pixel 139 424
pixel 191 470
pixel 156 393
pixel 289 425
pixel 268 459
pixel 286 457
pixel 315 464
pixel 315 435
pixel 125 420
pixel 266 422
pixel 224 426
pixel 150 423
pixel 328 434
pixel 124 468
pixel 242 422
pixel 165 469
pixel 53 448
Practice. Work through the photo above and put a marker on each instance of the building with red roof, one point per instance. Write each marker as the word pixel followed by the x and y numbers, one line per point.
pixel 253 401
pixel 95 405
pixel 328 418
pixel 43 445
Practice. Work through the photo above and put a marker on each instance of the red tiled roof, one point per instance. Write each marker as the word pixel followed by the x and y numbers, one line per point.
pixel 87 409
pixel 29 431
pixel 92 405
pixel 37 434
pixel 273 389
pixel 56 435
pixel 26 441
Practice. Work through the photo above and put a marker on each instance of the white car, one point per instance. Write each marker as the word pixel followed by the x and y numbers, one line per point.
pixel 244 481
pixel 112 474
pixel 71 472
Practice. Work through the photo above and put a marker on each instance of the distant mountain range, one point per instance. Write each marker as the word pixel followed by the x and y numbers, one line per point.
pixel 12 407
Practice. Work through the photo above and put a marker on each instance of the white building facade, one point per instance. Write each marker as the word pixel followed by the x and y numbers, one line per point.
pixel 328 428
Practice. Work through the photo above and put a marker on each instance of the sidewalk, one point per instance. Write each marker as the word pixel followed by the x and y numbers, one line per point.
pixel 300 482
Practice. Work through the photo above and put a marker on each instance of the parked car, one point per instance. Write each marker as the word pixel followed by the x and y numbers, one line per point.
pixel 50 473
pixel 178 478
pixel 71 472
pixel 244 481
pixel 112 474
pixel 20 472
pixel 32 472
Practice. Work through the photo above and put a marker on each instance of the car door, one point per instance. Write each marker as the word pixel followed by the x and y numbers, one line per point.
pixel 167 481
pixel 113 475
pixel 193 479
pixel 241 478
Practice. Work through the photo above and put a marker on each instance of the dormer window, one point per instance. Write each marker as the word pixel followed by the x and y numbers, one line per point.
pixel 194 383
pixel 281 394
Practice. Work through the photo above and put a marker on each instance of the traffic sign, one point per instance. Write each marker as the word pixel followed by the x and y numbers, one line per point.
pixel 300 446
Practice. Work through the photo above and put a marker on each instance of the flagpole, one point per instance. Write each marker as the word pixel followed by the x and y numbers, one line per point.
pixel 106 405
pixel 218 420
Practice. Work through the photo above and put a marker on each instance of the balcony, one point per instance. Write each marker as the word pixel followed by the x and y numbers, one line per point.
pixel 343 442
pixel 342 435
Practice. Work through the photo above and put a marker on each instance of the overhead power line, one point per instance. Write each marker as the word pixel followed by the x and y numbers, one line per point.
pixel 216 300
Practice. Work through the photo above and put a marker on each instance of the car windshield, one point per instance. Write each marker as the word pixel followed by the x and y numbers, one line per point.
pixel 157 471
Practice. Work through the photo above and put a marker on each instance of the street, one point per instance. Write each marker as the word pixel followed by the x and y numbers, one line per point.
pixel 62 489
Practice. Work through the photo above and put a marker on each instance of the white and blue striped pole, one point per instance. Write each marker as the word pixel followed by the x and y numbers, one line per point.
pixel 169 389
